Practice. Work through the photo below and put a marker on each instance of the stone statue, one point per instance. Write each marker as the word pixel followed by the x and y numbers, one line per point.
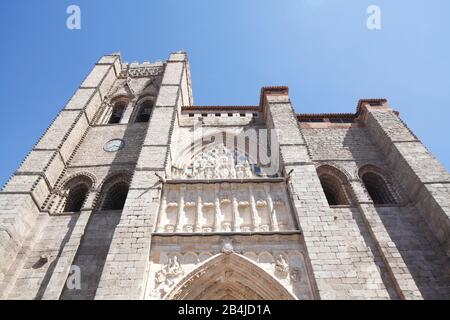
pixel 281 266
pixel 227 246
pixel 295 275
pixel 170 271
pixel 248 170
pixel 173 267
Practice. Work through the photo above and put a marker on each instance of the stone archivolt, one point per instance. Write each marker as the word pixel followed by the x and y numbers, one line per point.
pixel 218 162
pixel 228 275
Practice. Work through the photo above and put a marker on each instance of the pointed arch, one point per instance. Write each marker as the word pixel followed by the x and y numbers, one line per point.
pixel 229 276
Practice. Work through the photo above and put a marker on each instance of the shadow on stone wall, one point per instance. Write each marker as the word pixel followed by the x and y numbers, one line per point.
pixel 420 251
pixel 95 244
pixel 91 254
pixel 387 281
pixel 426 261
pixel 51 268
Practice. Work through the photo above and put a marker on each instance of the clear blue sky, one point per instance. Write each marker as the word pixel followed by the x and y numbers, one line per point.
pixel 321 49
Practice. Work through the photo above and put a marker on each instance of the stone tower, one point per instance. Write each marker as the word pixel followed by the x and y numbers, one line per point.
pixel 135 193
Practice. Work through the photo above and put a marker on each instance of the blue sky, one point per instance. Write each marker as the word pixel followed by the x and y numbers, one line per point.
pixel 321 49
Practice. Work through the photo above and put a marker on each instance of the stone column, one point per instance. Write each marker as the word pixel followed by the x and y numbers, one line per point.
pixel 180 216
pixel 126 117
pixel 105 115
pixel 162 214
pixel 217 212
pixel 253 209
pixel 270 207
pixel 198 215
pixel 235 209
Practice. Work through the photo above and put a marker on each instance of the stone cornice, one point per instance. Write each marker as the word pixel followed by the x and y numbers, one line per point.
pixel 219 108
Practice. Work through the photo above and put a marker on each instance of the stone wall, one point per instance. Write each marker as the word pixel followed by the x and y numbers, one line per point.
pixel 399 239
pixel 52 245
pixel 419 249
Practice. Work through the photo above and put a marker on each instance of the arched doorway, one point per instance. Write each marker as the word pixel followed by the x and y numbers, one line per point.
pixel 229 277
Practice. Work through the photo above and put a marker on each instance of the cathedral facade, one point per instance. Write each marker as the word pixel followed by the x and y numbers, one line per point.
pixel 133 192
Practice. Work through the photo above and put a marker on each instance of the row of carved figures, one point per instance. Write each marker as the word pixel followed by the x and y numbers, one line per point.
pixel 218 162
pixel 214 211
pixel 238 171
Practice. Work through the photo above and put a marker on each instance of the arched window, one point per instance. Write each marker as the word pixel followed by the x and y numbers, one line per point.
pixel 333 190
pixel 117 112
pixel 115 196
pixel 377 188
pixel 73 193
pixel 75 200
pixel 144 111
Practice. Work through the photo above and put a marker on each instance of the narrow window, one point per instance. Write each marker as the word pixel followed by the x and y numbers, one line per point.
pixel 377 189
pixel 204 115
pixel 117 112
pixel 230 114
pixel 116 196
pixel 333 190
pixel 76 198
pixel 242 114
pixel 145 111
pixel 217 114
pixel 330 195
